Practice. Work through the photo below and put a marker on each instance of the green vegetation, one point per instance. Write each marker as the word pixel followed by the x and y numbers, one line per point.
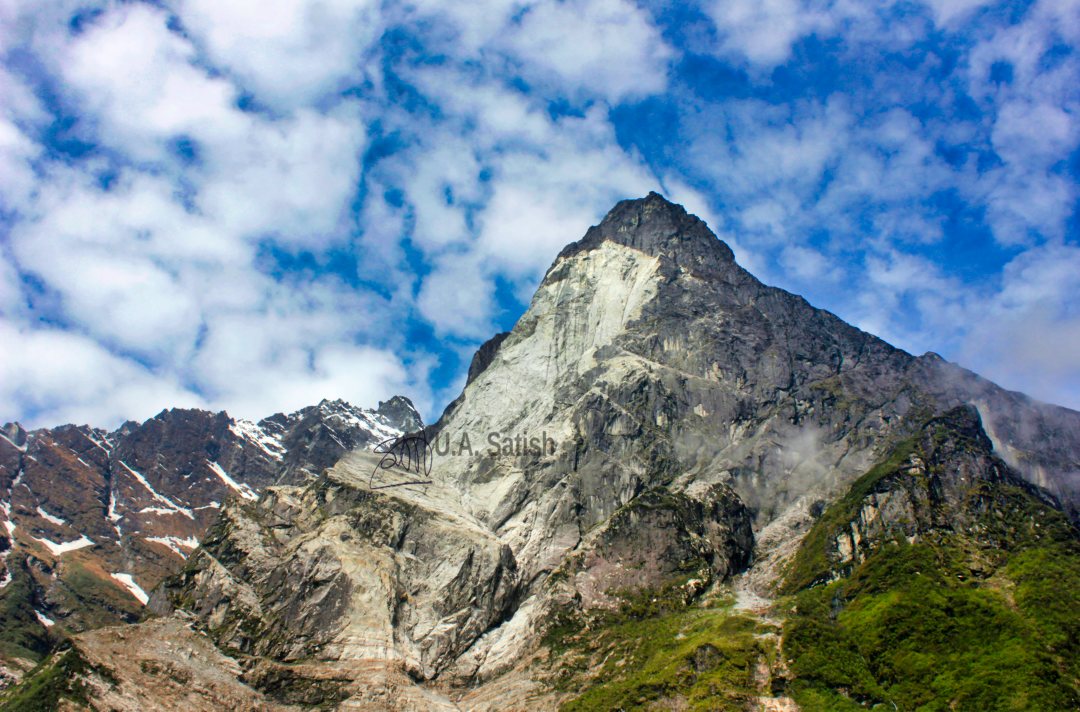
pixel 654 649
pixel 94 597
pixel 908 629
pixel 21 635
pixel 811 564
pixel 980 612
pixel 61 677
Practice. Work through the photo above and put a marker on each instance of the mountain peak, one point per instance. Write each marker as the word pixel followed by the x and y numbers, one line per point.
pixel 656 226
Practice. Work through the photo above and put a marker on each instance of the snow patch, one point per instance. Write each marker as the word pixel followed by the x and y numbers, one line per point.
pixel 8 524
pixel 52 518
pixel 176 543
pixel 44 619
pixel 159 510
pixel 245 491
pixel 57 549
pixel 156 495
pixel 128 582
pixel 251 432
pixel 103 444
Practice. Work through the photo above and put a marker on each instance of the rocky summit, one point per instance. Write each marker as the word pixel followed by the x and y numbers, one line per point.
pixel 669 486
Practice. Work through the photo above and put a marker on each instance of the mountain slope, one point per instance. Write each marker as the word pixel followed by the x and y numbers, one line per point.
pixel 93 520
pixel 941 580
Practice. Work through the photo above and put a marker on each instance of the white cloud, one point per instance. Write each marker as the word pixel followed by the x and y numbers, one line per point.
pixel 946 12
pixel 808 264
pixel 287 52
pixel 51 377
pixel 762 31
pixel 607 48
pixel 17 150
pixel 458 297
pixel 1028 336
pixel 166 96
pixel 1034 109
pixel 163 268
pixel 293 179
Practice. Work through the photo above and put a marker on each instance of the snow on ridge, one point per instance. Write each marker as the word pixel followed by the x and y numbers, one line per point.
pixel 7 575
pixel 20 448
pixel 44 619
pixel 156 495
pixel 50 517
pixel 128 582
pixel 251 432
pixel 5 507
pixel 366 420
pixel 103 444
pixel 175 543
pixel 244 491
pixel 57 549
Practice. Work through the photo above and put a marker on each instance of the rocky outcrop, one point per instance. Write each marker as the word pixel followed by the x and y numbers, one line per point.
pixel 946 481
pixel 335 572
pixel 659 540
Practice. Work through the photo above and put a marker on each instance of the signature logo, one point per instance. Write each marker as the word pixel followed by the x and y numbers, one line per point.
pixel 409 454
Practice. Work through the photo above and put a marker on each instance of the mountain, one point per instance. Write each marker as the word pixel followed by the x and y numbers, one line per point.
pixel 639 500
pixel 94 519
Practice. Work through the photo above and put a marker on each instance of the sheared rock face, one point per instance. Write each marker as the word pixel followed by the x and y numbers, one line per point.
pixel 336 571
pixel 678 404
pixel 93 520
pixel 660 540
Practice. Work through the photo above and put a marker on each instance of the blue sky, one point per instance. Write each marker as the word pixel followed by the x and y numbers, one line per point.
pixel 252 206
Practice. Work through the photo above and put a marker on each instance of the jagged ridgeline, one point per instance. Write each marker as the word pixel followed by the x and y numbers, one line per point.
pixel 746 504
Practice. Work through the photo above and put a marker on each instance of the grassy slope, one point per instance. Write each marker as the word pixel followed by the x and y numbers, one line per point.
pixel 657 649
pixel 59 677
pixel 909 628
pixel 947 623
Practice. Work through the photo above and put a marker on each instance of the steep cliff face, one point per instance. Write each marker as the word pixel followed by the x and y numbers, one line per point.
pixel 93 520
pixel 656 422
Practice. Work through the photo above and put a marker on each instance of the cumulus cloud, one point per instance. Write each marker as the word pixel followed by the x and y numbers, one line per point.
pixel 52 376
pixel 290 53
pixel 1029 334
pixel 607 48
pixel 763 32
